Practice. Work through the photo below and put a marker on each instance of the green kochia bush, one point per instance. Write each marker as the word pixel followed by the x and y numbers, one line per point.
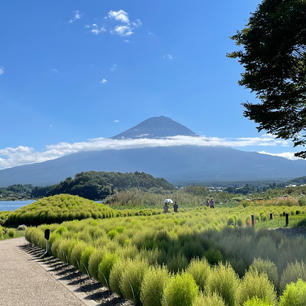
pixel 257 285
pixel 131 280
pixel 115 276
pixel 225 282
pixel 94 261
pixel 181 290
pixel 105 267
pixel 85 258
pixel 294 294
pixel 76 253
pixel 200 270
pixel 292 273
pixel 152 287
pixel 266 266
pixel 255 301
pixel 209 300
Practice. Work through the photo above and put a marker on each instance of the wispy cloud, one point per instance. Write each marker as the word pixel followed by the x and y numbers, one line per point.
pixel 123 30
pixel 169 57
pixel 288 155
pixel 103 81
pixel 116 121
pixel 1 70
pixel 95 29
pixel 76 16
pixel 11 157
pixel 113 67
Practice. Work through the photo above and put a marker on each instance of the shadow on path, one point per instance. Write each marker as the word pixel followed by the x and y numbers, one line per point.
pixel 74 280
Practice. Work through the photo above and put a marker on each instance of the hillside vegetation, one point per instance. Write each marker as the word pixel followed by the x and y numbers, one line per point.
pixel 56 209
pixel 98 185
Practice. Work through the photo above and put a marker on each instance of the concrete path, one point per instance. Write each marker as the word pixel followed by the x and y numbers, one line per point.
pixel 24 282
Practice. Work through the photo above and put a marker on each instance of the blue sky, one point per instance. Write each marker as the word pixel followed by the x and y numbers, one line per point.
pixel 77 70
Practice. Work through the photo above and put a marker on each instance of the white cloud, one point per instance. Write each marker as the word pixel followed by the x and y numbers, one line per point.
pixel 288 155
pixel 1 70
pixel 123 30
pixel 103 81
pixel 76 16
pixel 120 15
pixel 95 29
pixel 169 57
pixel 11 157
pixel 116 121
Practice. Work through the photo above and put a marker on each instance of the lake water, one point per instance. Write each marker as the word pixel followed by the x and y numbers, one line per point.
pixel 12 205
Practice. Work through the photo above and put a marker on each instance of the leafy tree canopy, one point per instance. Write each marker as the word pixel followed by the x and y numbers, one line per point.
pixel 274 57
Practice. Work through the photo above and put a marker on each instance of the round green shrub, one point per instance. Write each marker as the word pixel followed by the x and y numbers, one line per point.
pixel 292 273
pixel 115 276
pixel 94 261
pixel 131 280
pixel 266 266
pixel 213 256
pixel 225 282
pixel 294 294
pixel 255 301
pixel 105 267
pixel 76 253
pixel 11 232
pixel 209 300
pixel 152 287
pixel 200 271
pixel 256 284
pixel 85 258
pixel 177 263
pixel 181 290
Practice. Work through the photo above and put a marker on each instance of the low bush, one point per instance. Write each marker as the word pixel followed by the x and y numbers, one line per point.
pixel 255 284
pixel 255 301
pixel 94 261
pixel 209 300
pixel 152 287
pixel 225 282
pixel 85 258
pixel 266 266
pixel 115 276
pixel 294 294
pixel 76 253
pixel 131 280
pixel 11 233
pixel 292 273
pixel 200 271
pixel 180 290
pixel 21 227
pixel 105 268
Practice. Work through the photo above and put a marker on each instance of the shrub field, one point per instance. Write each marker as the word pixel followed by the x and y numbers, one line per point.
pixel 195 257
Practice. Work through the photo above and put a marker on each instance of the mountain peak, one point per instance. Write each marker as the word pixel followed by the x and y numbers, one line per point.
pixel 156 127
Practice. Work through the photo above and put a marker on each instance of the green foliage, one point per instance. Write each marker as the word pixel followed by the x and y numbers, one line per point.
pixel 76 254
pixel 105 267
pixel 57 209
pixel 255 301
pixel 154 282
pixel 209 300
pixel 11 233
pixel 224 281
pixel 131 280
pixel 116 275
pixel 273 56
pixel 85 258
pixel 257 285
pixel 200 270
pixel 180 290
pixel 294 294
pixel 266 266
pixel 292 273
pixel 94 261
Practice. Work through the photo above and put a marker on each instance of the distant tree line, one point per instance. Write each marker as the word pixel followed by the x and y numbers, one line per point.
pixel 91 185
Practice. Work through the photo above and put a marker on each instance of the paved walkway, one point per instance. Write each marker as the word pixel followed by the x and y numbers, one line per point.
pixel 24 282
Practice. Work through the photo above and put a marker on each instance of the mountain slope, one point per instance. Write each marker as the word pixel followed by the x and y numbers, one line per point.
pixel 176 164
pixel 156 127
